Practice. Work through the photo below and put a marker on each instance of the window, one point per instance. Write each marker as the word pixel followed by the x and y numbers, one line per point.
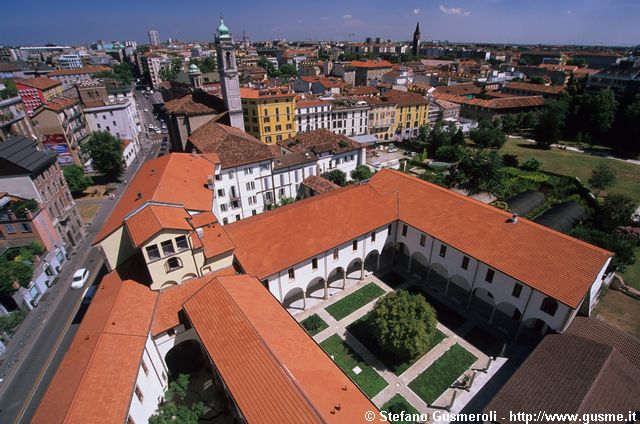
pixel 251 185
pixel 355 245
pixel 465 262
pixel 182 243
pixel 443 250
pixel 292 274
pixel 336 254
pixel 144 368
pixel 225 221
pixel 173 264
pixel 139 393
pixel 153 252
pixel 130 420
pixel 25 227
pixel 373 236
pixel 167 247
pixel 549 306
pixel 423 240
pixel 517 290
pixel 314 263
pixel 404 230
pixel 489 277
pixel 248 171
pixel 267 128
pixel 223 207
pixel 389 230
pixel 265 167
pixel 220 192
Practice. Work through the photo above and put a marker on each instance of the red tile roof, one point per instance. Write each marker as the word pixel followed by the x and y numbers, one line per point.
pixel 373 64
pixel 60 103
pixel 267 93
pixel 80 71
pixel 497 103
pixel 214 240
pixel 164 180
pixel 275 240
pixel 402 98
pixel 535 88
pixel 551 262
pixel 274 371
pixel 95 381
pixel 41 83
pixel 319 185
pixel 319 141
pixel 152 219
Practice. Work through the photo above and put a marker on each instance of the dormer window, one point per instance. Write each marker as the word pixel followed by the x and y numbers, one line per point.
pixel 167 247
pixel 152 252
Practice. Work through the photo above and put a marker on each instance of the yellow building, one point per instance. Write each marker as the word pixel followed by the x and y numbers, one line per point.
pixel 269 114
pixel 412 112
pixel 382 118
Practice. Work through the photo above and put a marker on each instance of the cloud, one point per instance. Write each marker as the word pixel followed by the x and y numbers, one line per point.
pixel 570 12
pixel 454 11
pixel 347 17
pixel 324 18
pixel 350 21
pixel 416 11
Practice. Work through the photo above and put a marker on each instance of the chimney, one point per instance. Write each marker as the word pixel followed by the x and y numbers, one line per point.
pixel 200 232
pixel 514 218
pixel 139 196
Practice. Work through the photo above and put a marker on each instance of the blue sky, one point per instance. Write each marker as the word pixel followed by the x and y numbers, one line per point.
pixel 517 21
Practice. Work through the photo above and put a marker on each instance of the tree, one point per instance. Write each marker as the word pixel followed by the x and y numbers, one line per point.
pixel 593 114
pixel 283 201
pixel 458 138
pixel 173 410
pixel 480 171
pixel 616 211
pixel 531 164
pixel 76 180
pixel 580 63
pixel 488 135
pixel 337 177
pixel 623 249
pixel 451 153
pixel 268 66
pixel 551 122
pixel 206 64
pixel 602 177
pixel 510 160
pixel 403 324
pixel 105 152
pixel 630 126
pixel 10 89
pixel 121 72
pixel 508 123
pixel 288 71
pixel 361 173
pixel 536 79
pixel 170 71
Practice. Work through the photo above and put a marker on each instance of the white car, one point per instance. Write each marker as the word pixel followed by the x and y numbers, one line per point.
pixel 146 110
pixel 157 130
pixel 80 278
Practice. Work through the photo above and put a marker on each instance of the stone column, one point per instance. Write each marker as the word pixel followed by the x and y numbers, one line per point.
pixel 326 290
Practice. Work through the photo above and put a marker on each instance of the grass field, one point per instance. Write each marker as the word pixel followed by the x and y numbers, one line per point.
pixel 631 275
pixel 347 359
pixel 397 404
pixel 619 311
pixel 436 379
pixel 314 324
pixel 579 165
pixel 87 212
pixel 354 301
pixel 360 330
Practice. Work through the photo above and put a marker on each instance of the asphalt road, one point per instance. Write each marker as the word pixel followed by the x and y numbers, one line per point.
pixel 22 390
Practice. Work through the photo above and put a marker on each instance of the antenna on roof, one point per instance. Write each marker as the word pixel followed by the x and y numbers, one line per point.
pixel 139 196
pixel 513 219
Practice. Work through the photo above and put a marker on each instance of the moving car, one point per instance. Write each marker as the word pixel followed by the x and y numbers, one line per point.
pixel 80 278
pixel 88 295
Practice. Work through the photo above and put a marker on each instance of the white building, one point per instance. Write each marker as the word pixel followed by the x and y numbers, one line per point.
pixel 154 38
pixel 69 61
pixel 349 117
pixel 313 115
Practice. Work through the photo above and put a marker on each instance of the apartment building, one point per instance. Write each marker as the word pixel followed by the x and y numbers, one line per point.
pixel 312 114
pixel 412 112
pixel 70 77
pixel 382 118
pixel 349 116
pixel 36 91
pixel 14 119
pixel 269 114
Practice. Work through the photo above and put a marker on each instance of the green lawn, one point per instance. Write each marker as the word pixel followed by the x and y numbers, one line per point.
pixel 579 165
pixel 436 379
pixel 360 330
pixel 398 404
pixel 313 324
pixel 631 275
pixel 368 380
pixel 354 301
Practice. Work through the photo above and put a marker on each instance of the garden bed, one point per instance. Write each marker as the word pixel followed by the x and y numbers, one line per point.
pixel 397 405
pixel 354 301
pixel 314 324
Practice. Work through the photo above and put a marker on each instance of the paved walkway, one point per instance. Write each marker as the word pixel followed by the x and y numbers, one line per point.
pixel 399 384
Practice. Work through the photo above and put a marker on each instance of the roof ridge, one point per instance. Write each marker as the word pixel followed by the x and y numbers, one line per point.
pixel 500 211
pixel 612 352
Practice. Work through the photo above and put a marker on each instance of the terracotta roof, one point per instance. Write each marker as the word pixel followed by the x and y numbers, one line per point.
pixel 80 71
pixel 402 98
pixel 171 299
pixel 293 159
pixel 459 89
pixel 371 64
pixel 319 185
pixel 570 374
pixel 497 103
pixel 535 88
pixel 214 240
pixel 553 263
pixel 233 146
pixel 362 90
pixel 164 180
pixel 152 219
pixel 60 103
pixel 273 241
pixel 95 381
pixel 311 103
pixel 267 93
pixel 319 141
pixel 41 83
pixel 269 380
pixel 198 103
pixel 202 219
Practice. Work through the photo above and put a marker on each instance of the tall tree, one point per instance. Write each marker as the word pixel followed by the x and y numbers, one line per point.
pixel 288 71
pixel 480 171
pixel 105 152
pixel 602 177
pixel 616 210
pixel 337 177
pixel 551 122
pixel 170 71
pixel 361 173
pixel 76 180
pixel 173 410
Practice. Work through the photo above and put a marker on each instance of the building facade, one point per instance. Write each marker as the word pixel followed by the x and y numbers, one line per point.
pixel 312 115
pixel 36 91
pixel 269 114
pixel 14 119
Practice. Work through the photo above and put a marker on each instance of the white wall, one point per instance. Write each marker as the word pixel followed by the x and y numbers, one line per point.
pixel 151 384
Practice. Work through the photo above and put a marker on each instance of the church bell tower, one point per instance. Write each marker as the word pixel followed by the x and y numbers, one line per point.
pixel 229 75
pixel 415 48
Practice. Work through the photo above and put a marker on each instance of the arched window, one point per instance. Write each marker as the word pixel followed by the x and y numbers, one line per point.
pixel 172 264
pixel 549 306
pixel 229 61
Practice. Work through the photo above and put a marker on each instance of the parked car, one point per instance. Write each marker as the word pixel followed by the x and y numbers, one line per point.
pixel 146 110
pixel 88 295
pixel 80 278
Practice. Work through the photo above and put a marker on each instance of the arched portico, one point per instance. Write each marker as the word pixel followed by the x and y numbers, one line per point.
pixel 419 265
pixel 482 303
pixel 386 257
pixel 458 289
pixel 437 277
pixel 317 289
pixel 295 299
pixel 507 317
pixel 355 269
pixel 337 278
pixel 372 261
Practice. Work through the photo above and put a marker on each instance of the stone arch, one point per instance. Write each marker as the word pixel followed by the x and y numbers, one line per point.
pixel 534 328
pixel 354 269
pixel 371 261
pixel 188 277
pixel 402 255
pixel 482 303
pixel 315 288
pixel 386 256
pixel 419 264
pixel 294 299
pixel 549 306
pixel 336 278
pixel 458 289
pixel 186 357
pixel 168 284
pixel 437 276
pixel 507 317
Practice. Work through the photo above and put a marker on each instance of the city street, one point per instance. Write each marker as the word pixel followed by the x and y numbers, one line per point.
pixel 36 349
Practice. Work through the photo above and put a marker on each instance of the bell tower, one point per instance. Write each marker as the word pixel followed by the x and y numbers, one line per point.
pixel 415 45
pixel 229 75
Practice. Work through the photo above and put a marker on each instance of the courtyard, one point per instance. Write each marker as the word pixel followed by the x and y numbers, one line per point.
pixel 459 370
